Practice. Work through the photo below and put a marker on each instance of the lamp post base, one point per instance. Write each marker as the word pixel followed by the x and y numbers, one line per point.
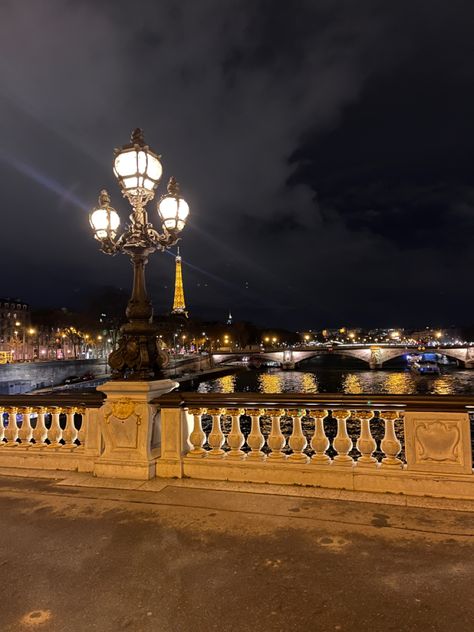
pixel 138 356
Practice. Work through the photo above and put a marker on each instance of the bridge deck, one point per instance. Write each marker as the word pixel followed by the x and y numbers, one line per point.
pixel 188 555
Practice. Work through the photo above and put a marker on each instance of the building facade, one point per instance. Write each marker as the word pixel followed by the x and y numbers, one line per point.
pixel 15 320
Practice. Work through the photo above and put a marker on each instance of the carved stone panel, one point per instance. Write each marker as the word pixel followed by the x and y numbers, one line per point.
pixel 121 425
pixel 438 442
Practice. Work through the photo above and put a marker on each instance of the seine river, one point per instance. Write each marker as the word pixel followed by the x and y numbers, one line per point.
pixel 337 380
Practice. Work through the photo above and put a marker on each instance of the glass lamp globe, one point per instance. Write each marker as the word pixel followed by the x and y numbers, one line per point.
pixel 104 219
pixel 137 168
pixel 173 209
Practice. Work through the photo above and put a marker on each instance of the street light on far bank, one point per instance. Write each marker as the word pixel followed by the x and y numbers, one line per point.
pixel 138 170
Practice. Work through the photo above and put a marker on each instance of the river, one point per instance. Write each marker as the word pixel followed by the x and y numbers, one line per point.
pixel 336 380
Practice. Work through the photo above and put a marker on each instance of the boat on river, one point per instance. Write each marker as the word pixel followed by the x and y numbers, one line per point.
pixel 423 367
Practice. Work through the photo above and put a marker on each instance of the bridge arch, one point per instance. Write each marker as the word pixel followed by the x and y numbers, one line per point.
pixel 374 356
pixel 323 353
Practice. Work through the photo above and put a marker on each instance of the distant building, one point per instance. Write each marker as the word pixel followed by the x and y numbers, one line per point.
pixel 179 305
pixel 15 316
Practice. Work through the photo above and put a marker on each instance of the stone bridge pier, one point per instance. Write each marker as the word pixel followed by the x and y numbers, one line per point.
pixel 464 355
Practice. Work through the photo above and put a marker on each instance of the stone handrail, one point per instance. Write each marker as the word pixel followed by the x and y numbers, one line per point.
pixel 391 443
pixel 85 400
pixel 434 403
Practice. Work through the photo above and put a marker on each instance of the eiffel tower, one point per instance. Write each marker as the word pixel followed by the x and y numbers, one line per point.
pixel 179 306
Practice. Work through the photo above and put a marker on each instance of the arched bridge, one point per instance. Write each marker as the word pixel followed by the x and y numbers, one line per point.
pixel 375 356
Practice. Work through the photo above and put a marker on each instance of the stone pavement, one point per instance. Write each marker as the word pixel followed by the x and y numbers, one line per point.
pixel 80 554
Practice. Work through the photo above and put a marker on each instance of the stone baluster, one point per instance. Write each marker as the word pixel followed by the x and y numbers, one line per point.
pixel 2 428
pixel 320 442
pixel 81 433
pixel 342 442
pixel 26 431
pixel 11 431
pixel 55 432
pixel 297 441
pixel 255 440
pixel 40 432
pixel 216 436
pixel 70 431
pixel 366 443
pixel 235 438
pixel 197 436
pixel 390 444
pixel 276 440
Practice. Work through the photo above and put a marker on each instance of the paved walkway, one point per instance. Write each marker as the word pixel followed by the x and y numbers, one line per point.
pixel 80 554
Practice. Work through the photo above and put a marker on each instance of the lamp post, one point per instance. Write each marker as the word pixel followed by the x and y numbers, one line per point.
pixel 138 170
pixel 31 332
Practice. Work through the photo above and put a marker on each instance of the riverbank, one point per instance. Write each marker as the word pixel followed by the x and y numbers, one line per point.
pixel 26 377
pixel 185 380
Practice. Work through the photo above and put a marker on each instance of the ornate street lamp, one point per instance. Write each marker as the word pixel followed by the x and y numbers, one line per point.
pixel 138 171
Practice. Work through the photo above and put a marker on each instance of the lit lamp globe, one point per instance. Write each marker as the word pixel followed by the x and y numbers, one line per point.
pixel 173 209
pixel 137 168
pixel 104 219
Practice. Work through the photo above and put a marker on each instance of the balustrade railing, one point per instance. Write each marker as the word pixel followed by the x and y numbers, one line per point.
pixel 399 444
pixel 315 435
pixel 39 427
pixel 303 429
pixel 266 438
pixel 47 427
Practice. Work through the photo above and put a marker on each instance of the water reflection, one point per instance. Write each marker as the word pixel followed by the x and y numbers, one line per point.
pixel 224 384
pixel 321 380
pixel 270 383
pixel 309 383
pixel 399 384
pixel 443 385
pixel 351 384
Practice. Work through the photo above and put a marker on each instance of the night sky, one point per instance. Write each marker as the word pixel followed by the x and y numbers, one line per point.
pixel 325 149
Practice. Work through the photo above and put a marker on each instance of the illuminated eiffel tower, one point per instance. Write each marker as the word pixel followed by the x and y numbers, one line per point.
pixel 179 306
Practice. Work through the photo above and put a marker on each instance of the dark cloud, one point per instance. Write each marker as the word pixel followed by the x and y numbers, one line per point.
pixel 325 149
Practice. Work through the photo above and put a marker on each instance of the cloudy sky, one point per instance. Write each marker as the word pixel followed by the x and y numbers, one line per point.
pixel 325 148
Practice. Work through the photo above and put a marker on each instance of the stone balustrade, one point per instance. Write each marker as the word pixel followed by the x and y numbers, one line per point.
pixel 49 432
pixel 394 444
pixel 397 444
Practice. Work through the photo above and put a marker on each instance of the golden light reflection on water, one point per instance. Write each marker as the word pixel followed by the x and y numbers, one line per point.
pixel 226 384
pixel 356 382
pixel 399 384
pixel 351 384
pixel 309 383
pixel 443 385
pixel 270 383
